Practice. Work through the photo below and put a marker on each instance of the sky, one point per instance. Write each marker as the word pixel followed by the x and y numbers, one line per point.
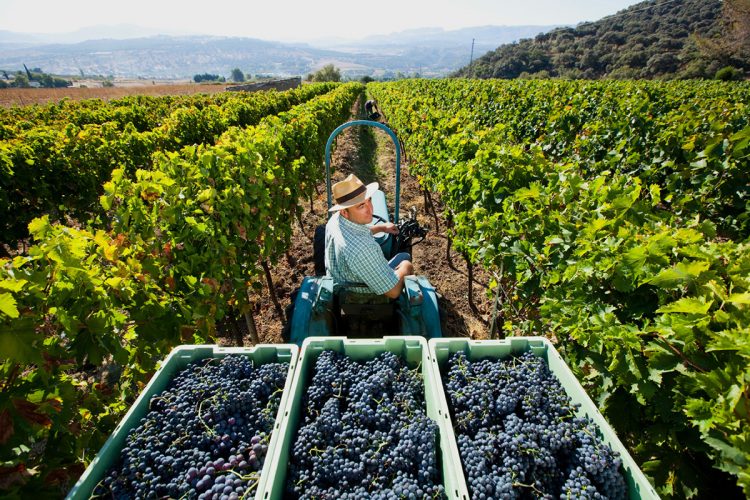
pixel 296 20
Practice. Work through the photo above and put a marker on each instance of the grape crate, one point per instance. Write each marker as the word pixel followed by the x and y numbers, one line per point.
pixel 362 422
pixel 365 433
pixel 518 433
pixel 205 436
pixel 525 428
pixel 201 429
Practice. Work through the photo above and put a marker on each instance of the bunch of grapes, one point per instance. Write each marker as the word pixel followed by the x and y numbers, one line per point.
pixel 364 433
pixel 205 436
pixel 518 435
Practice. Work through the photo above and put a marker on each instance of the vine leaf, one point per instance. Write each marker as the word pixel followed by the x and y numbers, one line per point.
pixel 19 342
pixel 28 411
pixel 682 273
pixel 12 475
pixel 739 298
pixel 687 305
pixel 8 305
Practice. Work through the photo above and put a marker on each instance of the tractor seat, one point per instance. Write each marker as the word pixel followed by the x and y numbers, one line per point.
pixel 365 306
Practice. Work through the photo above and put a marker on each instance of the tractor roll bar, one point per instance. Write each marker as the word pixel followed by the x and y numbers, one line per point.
pixel 379 125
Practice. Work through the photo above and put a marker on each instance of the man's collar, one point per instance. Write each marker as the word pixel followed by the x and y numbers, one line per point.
pixel 352 225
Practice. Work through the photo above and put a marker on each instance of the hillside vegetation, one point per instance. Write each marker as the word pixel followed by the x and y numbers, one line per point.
pixel 652 39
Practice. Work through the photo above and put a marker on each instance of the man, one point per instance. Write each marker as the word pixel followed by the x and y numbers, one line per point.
pixel 351 252
pixel 371 107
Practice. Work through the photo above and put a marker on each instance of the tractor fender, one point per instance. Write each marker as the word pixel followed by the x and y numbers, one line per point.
pixel 418 308
pixel 430 309
pixel 313 314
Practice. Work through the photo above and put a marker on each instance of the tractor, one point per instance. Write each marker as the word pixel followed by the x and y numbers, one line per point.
pixel 323 307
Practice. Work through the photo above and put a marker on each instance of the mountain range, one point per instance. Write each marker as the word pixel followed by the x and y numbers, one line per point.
pixel 132 52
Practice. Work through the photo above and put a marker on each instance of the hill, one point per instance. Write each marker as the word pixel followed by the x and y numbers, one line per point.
pixel 429 52
pixel 652 39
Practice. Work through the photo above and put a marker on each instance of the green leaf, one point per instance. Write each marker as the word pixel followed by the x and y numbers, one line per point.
pixel 533 191
pixel 737 340
pixel 13 285
pixel 687 305
pixel 19 342
pixel 680 274
pixel 636 257
pixel 205 194
pixel 39 227
pixel 655 192
pixel 727 451
pixel 8 305
pixel 739 298
pixel 105 202
pixel 700 414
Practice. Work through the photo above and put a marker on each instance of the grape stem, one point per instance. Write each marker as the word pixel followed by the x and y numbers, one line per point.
pixel 517 484
pixel 94 495
pixel 210 431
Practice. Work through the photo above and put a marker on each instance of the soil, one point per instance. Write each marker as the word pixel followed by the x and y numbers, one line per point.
pixel 27 96
pixel 370 154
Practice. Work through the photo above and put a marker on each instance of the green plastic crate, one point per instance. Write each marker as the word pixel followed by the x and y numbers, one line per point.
pixel 441 349
pixel 414 350
pixel 176 361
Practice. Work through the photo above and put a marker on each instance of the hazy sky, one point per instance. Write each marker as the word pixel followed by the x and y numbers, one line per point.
pixel 296 19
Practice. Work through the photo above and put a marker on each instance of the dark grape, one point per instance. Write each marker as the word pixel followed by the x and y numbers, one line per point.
pixel 518 435
pixel 199 437
pixel 364 433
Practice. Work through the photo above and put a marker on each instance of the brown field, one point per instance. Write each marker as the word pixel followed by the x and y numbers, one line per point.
pixel 23 97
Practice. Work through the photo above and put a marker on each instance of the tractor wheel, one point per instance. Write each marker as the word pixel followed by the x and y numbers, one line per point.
pixel 319 250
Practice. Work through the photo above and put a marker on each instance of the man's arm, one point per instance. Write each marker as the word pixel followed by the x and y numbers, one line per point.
pixel 403 270
pixel 388 227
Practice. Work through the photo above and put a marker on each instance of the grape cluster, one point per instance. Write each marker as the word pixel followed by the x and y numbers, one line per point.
pixel 205 436
pixel 518 435
pixel 364 433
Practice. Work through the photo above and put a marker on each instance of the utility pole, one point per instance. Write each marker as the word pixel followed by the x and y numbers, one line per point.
pixel 471 59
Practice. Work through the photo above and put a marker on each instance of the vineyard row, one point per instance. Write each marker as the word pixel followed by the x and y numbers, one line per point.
pixel 86 315
pixel 614 217
pixel 57 166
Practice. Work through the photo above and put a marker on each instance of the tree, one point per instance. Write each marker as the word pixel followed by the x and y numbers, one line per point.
pixel 328 73
pixel 662 63
pixel 238 75
pixel 21 81
pixel 729 73
pixel 207 77
pixel 50 81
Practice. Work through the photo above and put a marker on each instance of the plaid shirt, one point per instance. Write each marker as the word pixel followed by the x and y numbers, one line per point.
pixel 353 255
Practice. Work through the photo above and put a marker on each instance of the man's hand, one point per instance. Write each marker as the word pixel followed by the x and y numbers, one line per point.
pixel 404 269
pixel 388 227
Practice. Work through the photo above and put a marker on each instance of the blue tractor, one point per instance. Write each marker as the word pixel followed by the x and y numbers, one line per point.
pixel 323 307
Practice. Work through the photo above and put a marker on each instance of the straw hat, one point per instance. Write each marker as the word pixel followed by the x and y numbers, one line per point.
pixel 351 191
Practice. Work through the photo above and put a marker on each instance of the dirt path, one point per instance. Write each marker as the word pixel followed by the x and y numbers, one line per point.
pixel 370 154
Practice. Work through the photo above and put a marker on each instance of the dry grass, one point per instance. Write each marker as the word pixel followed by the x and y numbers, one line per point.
pixel 23 97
